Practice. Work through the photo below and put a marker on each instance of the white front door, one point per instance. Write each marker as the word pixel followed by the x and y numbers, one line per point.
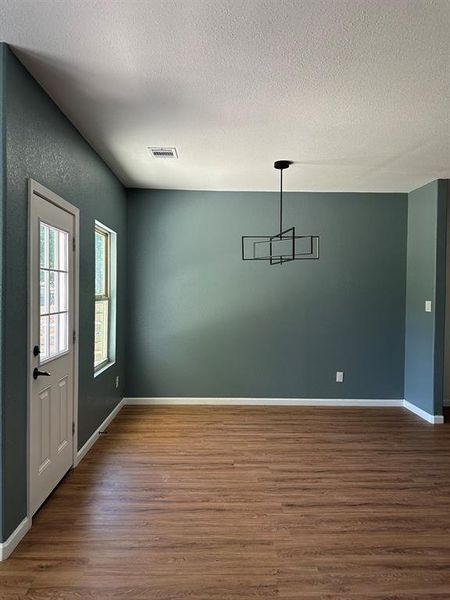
pixel 52 282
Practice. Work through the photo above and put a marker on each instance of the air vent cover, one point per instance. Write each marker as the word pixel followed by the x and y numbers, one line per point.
pixel 164 152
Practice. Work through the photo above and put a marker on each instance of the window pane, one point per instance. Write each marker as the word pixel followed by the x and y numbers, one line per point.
pixel 43 245
pixel 53 291
pixel 44 292
pixel 53 301
pixel 62 289
pixel 63 249
pixel 63 333
pixel 101 332
pixel 53 248
pixel 104 336
pixel 43 341
pixel 100 263
pixel 53 320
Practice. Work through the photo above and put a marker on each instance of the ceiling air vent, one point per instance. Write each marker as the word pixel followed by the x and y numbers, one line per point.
pixel 164 152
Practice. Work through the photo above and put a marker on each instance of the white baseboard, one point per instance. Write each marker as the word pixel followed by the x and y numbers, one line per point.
pixel 362 402
pixel 6 548
pixel 94 437
pixel 267 401
pixel 434 419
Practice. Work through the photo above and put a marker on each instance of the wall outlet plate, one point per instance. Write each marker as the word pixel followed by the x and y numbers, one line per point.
pixel 427 305
pixel 117 381
pixel 339 376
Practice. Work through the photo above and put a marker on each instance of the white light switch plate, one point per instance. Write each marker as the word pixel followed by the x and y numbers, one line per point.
pixel 339 376
pixel 427 305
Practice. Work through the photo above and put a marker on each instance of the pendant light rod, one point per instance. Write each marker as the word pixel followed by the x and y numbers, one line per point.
pixel 281 165
pixel 281 200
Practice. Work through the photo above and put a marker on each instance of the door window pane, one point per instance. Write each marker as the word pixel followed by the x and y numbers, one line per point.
pixel 43 238
pixel 62 250
pixel 44 291
pixel 43 339
pixel 52 248
pixel 53 288
pixel 53 320
pixel 63 330
pixel 54 291
pixel 62 292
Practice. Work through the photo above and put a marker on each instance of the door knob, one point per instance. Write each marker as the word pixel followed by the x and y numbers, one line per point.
pixel 37 373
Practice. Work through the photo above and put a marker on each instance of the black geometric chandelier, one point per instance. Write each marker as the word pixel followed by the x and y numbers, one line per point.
pixel 285 245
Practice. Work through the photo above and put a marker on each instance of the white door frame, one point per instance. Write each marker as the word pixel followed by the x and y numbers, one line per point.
pixel 35 188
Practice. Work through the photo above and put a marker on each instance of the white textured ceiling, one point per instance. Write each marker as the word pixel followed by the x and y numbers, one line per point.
pixel 356 91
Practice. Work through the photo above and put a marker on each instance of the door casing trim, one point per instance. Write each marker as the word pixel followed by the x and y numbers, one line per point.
pixel 35 188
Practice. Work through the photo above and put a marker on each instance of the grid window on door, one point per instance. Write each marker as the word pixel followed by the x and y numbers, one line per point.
pixel 102 297
pixel 54 292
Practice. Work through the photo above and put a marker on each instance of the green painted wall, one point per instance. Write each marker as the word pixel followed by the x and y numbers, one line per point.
pixel 203 323
pixel 2 235
pixel 42 144
pixel 426 266
pixel 447 313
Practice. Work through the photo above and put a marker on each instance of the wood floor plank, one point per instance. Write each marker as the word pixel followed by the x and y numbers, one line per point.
pixel 202 503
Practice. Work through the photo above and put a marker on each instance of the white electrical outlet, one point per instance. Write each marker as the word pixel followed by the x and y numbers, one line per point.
pixel 427 305
pixel 339 376
pixel 117 381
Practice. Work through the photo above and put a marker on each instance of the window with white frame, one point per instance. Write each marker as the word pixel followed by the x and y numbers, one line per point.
pixel 104 333
pixel 54 292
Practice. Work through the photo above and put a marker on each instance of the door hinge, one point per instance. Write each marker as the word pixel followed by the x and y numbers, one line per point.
pixel 73 244
pixel 74 336
pixel 73 427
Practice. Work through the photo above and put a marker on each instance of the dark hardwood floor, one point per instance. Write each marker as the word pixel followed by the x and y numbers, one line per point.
pixel 223 503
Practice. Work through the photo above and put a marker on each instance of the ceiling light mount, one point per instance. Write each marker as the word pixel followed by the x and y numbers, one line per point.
pixel 284 246
pixel 283 164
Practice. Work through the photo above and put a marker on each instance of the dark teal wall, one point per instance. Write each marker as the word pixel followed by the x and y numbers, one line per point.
pixel 440 296
pixel 2 205
pixel 203 323
pixel 424 332
pixel 42 144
